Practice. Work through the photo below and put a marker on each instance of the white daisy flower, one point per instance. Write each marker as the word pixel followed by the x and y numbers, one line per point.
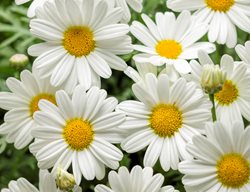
pixel 138 179
pixel 244 53
pixel 78 132
pixel 222 15
pixel 165 119
pixel 82 41
pixel 21 104
pixel 46 184
pixel 171 40
pixel 136 5
pixel 233 101
pixel 221 160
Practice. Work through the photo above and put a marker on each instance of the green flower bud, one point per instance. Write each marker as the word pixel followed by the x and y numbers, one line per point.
pixel 64 180
pixel 212 79
pixel 19 61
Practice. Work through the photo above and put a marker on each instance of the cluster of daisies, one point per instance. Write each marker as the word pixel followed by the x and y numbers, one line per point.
pixel 190 114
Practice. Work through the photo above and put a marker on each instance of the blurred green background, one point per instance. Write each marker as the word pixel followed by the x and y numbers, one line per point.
pixel 15 38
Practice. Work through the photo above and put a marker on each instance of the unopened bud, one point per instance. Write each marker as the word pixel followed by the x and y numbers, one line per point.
pixel 64 180
pixel 19 61
pixel 212 79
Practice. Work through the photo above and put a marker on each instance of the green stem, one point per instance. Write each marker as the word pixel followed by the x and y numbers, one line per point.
pixel 221 51
pixel 211 96
pixel 247 38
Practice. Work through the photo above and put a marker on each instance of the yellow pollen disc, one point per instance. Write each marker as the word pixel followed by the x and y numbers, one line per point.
pixel 233 170
pixel 35 100
pixel 165 120
pixel 228 94
pixel 78 134
pixel 169 49
pixel 79 41
pixel 220 5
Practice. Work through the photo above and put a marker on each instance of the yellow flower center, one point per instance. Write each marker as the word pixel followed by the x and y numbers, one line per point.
pixel 35 100
pixel 78 134
pixel 220 5
pixel 228 94
pixel 233 170
pixel 165 120
pixel 79 41
pixel 169 49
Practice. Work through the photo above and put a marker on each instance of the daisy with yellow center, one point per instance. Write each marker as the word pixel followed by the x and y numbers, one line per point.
pixel 78 132
pixel 137 180
pixel 232 101
pixel 21 104
pixel 165 119
pixel 82 44
pixel 220 160
pixel 221 15
pixel 170 40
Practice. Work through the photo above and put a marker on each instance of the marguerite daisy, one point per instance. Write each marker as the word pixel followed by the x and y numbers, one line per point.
pixel 170 41
pixel 222 15
pixel 165 120
pixel 78 132
pixel 233 100
pixel 244 53
pixel 137 180
pixel 46 184
pixel 21 104
pixel 82 38
pixel 221 160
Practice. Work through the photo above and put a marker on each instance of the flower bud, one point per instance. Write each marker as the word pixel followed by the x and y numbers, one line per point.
pixel 19 61
pixel 212 78
pixel 64 180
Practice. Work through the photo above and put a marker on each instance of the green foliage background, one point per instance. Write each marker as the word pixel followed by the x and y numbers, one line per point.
pixel 15 38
